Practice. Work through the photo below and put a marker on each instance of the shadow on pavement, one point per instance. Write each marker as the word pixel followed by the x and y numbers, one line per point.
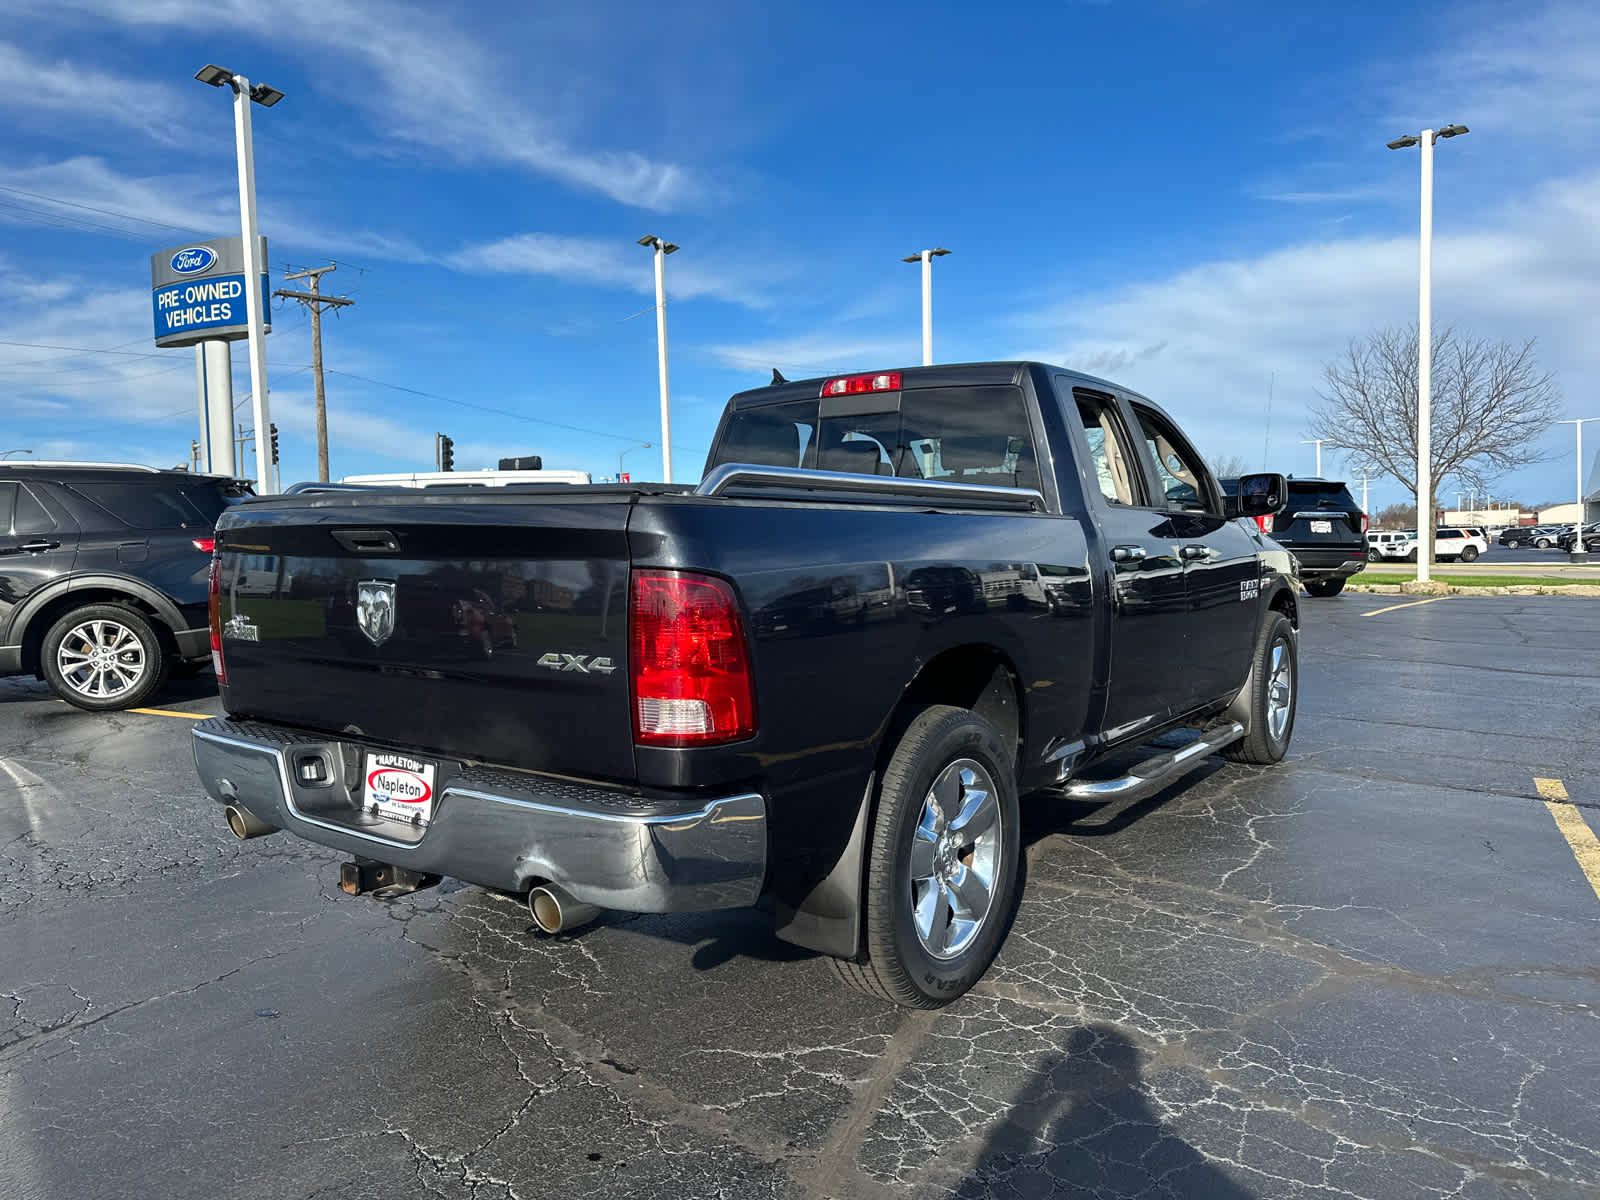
pixel 1083 1125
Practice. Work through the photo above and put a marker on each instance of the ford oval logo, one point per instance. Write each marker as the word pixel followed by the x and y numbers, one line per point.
pixel 193 260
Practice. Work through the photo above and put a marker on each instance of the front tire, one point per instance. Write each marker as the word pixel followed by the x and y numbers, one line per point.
pixel 102 657
pixel 1324 588
pixel 941 876
pixel 1542 544
pixel 1469 554
pixel 1271 695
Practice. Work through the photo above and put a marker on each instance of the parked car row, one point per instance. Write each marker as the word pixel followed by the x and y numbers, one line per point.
pixel 1451 543
pixel 1550 537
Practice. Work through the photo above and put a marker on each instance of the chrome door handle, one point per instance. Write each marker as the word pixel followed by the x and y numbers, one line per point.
pixel 1127 553
pixel 38 546
pixel 1195 550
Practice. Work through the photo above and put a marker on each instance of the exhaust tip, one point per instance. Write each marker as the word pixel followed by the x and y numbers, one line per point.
pixel 554 911
pixel 245 824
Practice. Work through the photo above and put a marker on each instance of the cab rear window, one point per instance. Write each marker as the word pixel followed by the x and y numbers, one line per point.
pixel 960 434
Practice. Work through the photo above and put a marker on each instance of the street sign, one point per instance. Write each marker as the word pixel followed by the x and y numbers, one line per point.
pixel 197 292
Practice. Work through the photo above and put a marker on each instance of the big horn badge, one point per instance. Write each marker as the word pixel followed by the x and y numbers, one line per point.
pixel 375 609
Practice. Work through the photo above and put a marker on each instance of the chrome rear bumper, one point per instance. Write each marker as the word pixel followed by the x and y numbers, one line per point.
pixel 505 829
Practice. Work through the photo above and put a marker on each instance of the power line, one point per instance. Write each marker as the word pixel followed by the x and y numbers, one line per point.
pixel 499 412
pixel 105 212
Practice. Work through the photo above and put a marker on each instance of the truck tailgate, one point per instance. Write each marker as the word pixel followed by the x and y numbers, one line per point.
pixel 490 627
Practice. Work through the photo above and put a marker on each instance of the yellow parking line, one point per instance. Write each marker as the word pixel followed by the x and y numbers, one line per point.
pixel 1585 846
pixel 1408 604
pixel 167 712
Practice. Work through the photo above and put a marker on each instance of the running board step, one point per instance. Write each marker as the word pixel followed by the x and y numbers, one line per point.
pixel 1153 774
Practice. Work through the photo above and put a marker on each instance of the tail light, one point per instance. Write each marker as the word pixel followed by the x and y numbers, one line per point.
pixel 1364 522
pixel 214 599
pixel 1264 523
pixel 689 660
pixel 204 545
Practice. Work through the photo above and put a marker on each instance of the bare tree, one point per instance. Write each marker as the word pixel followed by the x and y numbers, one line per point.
pixel 1490 403
pixel 1396 516
pixel 1227 466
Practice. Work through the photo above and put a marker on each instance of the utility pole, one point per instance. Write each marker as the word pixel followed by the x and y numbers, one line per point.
pixel 315 301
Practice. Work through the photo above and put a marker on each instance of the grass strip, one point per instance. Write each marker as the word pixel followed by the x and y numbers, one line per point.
pixel 1455 580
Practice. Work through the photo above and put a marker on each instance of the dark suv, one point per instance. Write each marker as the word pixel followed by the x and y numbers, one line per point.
pixel 103 574
pixel 1321 524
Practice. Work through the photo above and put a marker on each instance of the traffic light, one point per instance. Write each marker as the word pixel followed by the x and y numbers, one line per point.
pixel 274 428
pixel 447 454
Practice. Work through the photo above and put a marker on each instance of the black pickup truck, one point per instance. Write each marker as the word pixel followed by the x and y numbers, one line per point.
pixel 819 681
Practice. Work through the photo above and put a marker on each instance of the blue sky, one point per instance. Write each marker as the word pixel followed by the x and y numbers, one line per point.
pixel 1190 198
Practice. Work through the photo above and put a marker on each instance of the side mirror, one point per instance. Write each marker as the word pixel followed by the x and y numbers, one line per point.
pixel 1262 495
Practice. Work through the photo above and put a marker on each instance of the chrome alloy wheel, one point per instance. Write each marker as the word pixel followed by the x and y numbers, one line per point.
pixel 1280 690
pixel 955 857
pixel 101 659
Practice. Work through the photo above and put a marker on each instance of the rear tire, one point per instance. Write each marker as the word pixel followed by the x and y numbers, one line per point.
pixel 1271 693
pixel 102 657
pixel 1412 557
pixel 1542 544
pixel 946 816
pixel 1324 588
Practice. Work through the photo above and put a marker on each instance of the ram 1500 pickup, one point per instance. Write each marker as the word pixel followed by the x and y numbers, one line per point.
pixel 819 681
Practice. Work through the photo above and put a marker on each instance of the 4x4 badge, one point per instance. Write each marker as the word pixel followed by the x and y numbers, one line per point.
pixel 375 609
pixel 582 663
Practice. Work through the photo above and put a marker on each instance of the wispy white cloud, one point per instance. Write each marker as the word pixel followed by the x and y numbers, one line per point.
pixel 818 354
pixel 1523 70
pixel 57 88
pixel 423 80
pixel 610 261
pixel 88 193
pixel 1205 341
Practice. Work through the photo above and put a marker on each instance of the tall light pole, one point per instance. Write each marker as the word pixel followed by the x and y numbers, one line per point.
pixel 9 453
pixel 630 449
pixel 1425 139
pixel 662 249
pixel 1579 554
pixel 243 94
pixel 1317 442
pixel 926 257
pixel 1364 479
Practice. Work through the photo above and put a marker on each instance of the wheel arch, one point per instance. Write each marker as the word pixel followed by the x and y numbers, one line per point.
pixel 975 676
pixel 29 626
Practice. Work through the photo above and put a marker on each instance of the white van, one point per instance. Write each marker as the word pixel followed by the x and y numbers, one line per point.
pixel 424 479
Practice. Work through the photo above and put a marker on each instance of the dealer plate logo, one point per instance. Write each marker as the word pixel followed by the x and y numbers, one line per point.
pixel 375 609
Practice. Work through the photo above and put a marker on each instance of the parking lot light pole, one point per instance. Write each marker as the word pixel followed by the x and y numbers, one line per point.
pixel 630 449
pixel 9 453
pixel 926 257
pixel 1579 554
pixel 244 94
pixel 662 249
pixel 1317 442
pixel 1425 139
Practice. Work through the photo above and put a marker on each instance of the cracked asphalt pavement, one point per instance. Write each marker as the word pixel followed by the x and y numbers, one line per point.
pixel 1371 971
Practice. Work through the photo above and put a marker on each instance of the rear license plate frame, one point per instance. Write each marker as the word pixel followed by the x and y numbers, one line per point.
pixel 399 787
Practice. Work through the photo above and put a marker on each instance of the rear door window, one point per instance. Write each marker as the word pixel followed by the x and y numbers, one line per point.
pixel 30 515
pixel 1110 458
